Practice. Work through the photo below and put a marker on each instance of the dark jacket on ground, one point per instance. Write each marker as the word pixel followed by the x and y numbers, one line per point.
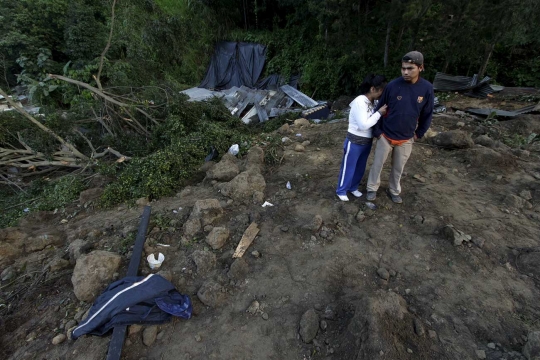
pixel 134 300
pixel 410 109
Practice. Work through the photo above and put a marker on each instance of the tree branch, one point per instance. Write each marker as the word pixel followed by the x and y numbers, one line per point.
pixel 97 78
pixel 102 94
pixel 43 127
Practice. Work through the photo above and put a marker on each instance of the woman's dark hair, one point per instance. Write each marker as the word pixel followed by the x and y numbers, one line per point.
pixel 372 80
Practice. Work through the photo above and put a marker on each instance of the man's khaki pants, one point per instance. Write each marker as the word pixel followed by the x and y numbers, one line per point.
pixel 400 155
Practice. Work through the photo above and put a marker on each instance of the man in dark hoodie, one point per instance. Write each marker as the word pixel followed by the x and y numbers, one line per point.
pixel 410 109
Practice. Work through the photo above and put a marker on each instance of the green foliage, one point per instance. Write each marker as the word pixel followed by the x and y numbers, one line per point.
pixel 178 148
pixel 42 195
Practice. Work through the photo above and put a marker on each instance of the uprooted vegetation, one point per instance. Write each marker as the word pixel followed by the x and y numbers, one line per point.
pixel 147 146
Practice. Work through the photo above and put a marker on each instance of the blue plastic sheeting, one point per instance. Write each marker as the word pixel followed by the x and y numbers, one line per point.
pixel 235 64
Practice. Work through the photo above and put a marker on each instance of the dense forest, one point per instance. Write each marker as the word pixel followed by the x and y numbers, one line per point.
pixel 112 104
pixel 331 43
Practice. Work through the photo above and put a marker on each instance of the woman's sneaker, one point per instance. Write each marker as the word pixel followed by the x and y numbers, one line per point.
pixel 342 197
pixel 356 193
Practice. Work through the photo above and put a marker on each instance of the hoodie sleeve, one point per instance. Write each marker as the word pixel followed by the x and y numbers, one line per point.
pixel 377 131
pixel 360 117
pixel 424 121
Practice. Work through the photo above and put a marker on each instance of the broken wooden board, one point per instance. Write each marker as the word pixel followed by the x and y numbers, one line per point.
pixel 247 239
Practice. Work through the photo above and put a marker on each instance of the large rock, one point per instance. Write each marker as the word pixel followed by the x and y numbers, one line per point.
pixel 225 170
pixel 531 350
pixel 454 139
pixel 207 211
pixel 11 245
pixel 78 248
pixel 93 272
pixel 239 270
pixel 149 335
pixel 90 195
pixel 516 202
pixel 309 326
pixel 255 159
pixel 204 260
pixel 192 226
pixel 41 241
pixel 211 294
pixel 457 237
pixel 486 141
pixel 243 187
pixel 218 237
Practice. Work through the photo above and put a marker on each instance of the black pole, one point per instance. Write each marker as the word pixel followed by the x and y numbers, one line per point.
pixel 119 332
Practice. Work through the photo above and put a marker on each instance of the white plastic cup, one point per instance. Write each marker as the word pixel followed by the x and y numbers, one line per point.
pixel 153 263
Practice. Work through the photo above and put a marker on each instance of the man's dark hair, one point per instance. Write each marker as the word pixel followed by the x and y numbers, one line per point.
pixel 376 81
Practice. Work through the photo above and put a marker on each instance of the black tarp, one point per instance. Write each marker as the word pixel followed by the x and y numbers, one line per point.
pixel 235 64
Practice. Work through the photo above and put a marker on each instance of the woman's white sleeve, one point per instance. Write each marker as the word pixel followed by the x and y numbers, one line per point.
pixel 361 116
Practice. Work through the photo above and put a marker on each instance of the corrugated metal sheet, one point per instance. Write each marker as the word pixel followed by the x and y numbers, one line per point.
pixel 445 82
pixel 254 105
pixel 505 113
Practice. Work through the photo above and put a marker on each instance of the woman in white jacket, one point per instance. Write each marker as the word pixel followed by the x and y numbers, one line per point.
pixel 357 145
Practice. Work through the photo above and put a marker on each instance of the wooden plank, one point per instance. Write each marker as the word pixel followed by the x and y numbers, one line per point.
pixel 246 240
pixel 298 96
pixel 119 332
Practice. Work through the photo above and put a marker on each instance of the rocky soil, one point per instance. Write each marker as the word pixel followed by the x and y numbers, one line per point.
pixel 452 273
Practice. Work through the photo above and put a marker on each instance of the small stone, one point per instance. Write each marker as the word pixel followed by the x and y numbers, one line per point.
pixel 531 350
pixel 299 148
pixel 432 334
pixel 160 335
pixel 526 194
pixel 419 178
pixel 491 345
pixel 407 291
pixel 8 273
pixel 284 228
pixel 479 242
pixel 381 353
pixel 149 335
pixel 317 223
pixel 409 351
pixel 58 339
pixel 419 328
pixel 392 273
pixel 323 325
pixel 70 324
pixel 134 329
pixel 306 143
pixel 256 254
pixel 309 326
pixel 253 308
pixel 481 354
pixel 32 336
pixel 383 273
pixel 313 238
pixel 128 342
pixel 265 316
pixel 198 338
pixel 142 201
pixel 460 124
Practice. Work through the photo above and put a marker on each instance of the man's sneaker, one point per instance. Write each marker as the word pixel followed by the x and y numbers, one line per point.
pixel 395 198
pixel 356 193
pixel 342 197
pixel 371 195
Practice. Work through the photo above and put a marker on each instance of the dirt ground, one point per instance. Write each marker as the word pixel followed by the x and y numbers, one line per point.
pixel 440 301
